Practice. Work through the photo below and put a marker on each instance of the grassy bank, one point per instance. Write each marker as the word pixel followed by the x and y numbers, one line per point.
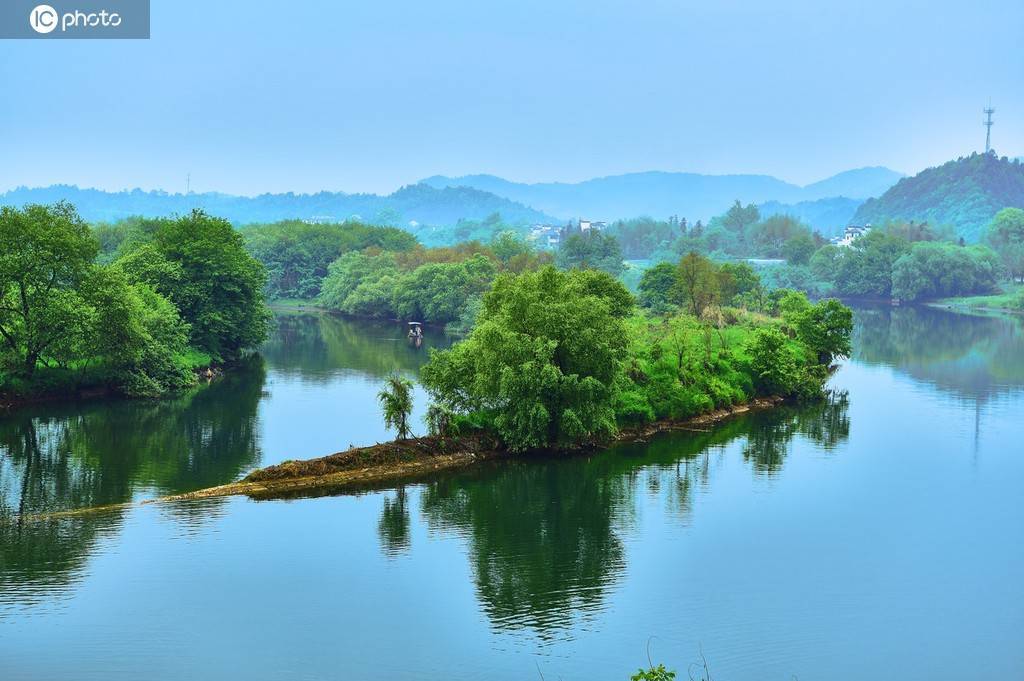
pixel 295 304
pixel 1010 300
pixel 83 380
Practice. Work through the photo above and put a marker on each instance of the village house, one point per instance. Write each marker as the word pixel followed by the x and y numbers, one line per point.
pixel 850 234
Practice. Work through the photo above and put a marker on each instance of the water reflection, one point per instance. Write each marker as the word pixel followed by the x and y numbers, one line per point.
pixel 546 536
pixel 395 525
pixel 969 356
pixel 69 456
pixel 318 346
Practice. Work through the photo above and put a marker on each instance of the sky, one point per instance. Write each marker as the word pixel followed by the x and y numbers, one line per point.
pixel 252 97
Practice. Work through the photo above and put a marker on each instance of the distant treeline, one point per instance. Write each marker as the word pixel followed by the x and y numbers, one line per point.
pixel 419 203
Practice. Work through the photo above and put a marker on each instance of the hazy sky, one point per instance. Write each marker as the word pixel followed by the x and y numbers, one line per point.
pixel 367 96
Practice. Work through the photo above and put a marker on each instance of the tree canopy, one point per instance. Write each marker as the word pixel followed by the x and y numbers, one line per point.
pixel 59 309
pixel 593 250
pixel 200 264
pixel 542 358
pixel 46 255
pixel 1006 234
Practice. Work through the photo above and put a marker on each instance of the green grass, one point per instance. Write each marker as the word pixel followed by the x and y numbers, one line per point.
pixel 1011 299
pixel 292 303
pixel 48 381
pixel 195 359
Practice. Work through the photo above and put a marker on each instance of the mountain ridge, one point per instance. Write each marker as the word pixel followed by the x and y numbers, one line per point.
pixel 663 193
pixel 966 193
pixel 419 203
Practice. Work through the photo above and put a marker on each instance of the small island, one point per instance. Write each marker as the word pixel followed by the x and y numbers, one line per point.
pixel 567 361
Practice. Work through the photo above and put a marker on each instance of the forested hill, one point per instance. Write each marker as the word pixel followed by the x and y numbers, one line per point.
pixel 661 194
pixel 965 193
pixel 421 203
pixel 828 217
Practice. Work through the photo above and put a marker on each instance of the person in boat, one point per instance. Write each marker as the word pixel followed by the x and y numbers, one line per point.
pixel 415 330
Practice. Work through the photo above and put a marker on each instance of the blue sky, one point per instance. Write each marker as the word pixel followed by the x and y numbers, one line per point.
pixel 253 96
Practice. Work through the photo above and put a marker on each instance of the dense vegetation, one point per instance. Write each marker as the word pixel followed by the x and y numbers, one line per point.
pixel 1006 235
pixel 592 249
pixel 741 232
pixel 135 310
pixel 557 358
pixel 297 254
pixel 434 285
pixel 966 193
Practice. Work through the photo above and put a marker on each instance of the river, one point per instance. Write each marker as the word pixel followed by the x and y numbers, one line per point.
pixel 876 535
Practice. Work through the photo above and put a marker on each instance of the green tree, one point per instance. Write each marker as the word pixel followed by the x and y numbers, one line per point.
pixel 438 292
pixel 798 249
pixel 697 284
pixel 736 279
pixel 542 361
pixel 772 361
pixel 656 286
pixel 864 269
pixel 1006 234
pixel 739 217
pixel 296 255
pixel 354 270
pixel 825 328
pixel 46 253
pixel 509 244
pixel 768 237
pixel 396 402
pixel 933 270
pixel 220 290
pixel 592 250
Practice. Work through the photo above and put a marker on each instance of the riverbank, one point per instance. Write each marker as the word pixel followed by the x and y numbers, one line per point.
pixel 54 384
pixel 1011 300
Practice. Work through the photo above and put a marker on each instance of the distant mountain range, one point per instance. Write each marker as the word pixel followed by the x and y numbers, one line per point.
pixel 660 194
pixel 442 201
pixel 965 193
pixel 419 203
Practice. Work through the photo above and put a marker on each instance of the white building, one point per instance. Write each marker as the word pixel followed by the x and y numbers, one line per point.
pixel 545 236
pixel 851 234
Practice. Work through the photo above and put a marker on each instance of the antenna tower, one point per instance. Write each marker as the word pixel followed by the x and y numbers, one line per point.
pixel 988 111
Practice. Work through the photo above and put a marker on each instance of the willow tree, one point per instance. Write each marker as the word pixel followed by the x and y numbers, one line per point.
pixel 541 363
pixel 396 402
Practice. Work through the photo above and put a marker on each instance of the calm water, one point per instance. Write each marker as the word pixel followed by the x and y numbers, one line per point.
pixel 878 535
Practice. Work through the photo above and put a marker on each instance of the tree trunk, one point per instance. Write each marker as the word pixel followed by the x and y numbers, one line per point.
pixel 30 364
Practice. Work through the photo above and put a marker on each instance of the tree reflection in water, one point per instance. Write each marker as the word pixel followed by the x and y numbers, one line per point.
pixel 546 535
pixel 317 346
pixel 69 456
pixel 973 357
pixel 395 525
